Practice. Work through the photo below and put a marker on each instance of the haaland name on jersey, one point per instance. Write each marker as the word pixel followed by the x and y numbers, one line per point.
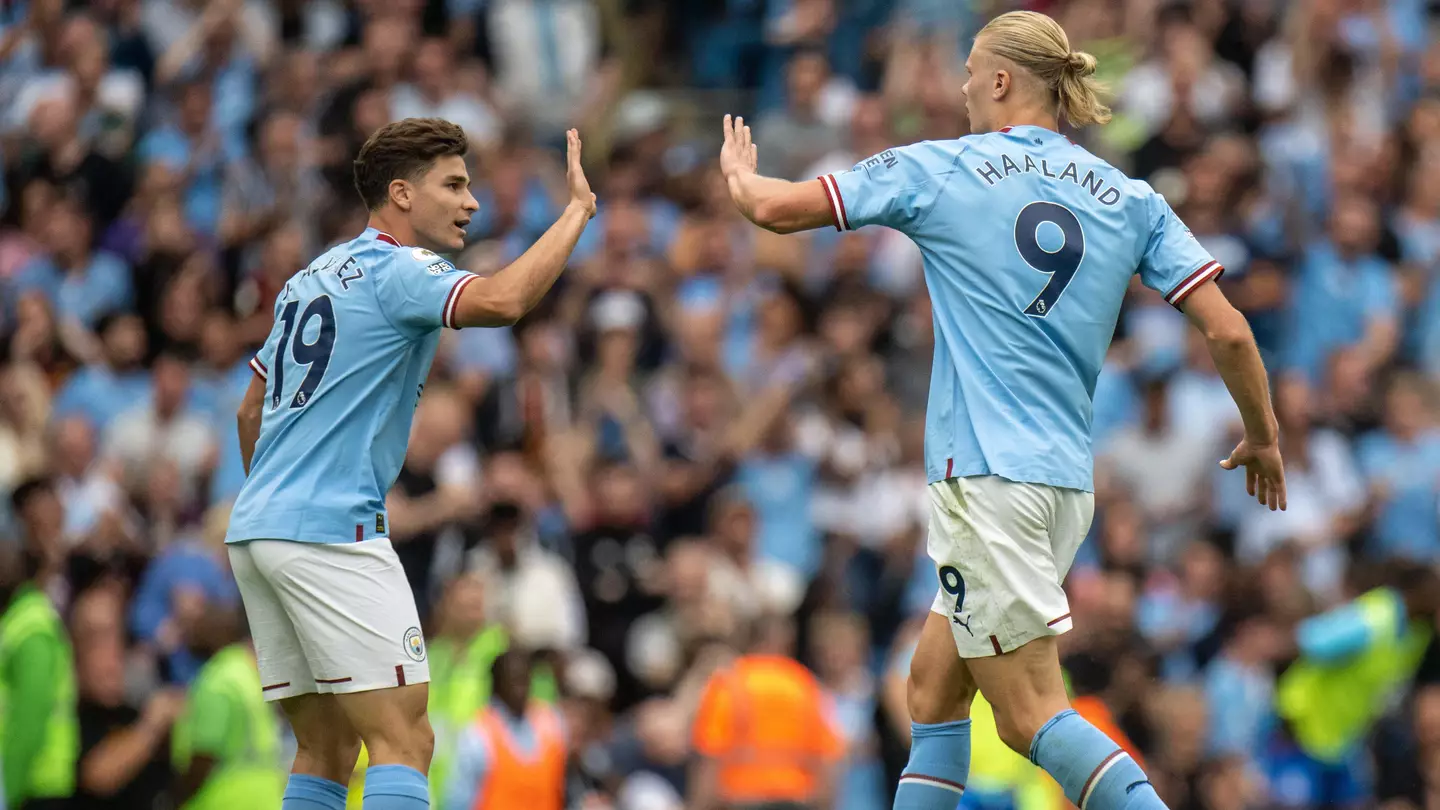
pixel 1095 184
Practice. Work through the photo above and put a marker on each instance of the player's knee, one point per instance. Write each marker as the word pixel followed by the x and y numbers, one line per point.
pixel 411 743
pixel 1017 727
pixel 931 700
pixel 328 755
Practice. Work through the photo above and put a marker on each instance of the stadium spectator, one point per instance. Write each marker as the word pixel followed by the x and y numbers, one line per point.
pixel 514 754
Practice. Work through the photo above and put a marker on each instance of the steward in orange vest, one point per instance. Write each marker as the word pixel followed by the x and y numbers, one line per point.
pixel 513 756
pixel 766 737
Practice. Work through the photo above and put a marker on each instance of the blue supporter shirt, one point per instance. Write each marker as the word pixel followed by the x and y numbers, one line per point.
pixel 1407 524
pixel 779 487
pixel 204 193
pixel 98 394
pixel 354 336
pixel 1333 302
pixel 101 287
pixel 1029 243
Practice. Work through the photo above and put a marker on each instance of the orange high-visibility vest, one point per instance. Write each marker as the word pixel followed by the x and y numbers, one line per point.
pixel 767 723
pixel 532 780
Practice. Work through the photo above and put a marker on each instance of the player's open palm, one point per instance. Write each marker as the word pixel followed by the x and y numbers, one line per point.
pixel 1264 471
pixel 575 174
pixel 738 153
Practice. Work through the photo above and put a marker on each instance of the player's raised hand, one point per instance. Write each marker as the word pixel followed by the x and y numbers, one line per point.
pixel 1264 472
pixel 738 154
pixel 575 174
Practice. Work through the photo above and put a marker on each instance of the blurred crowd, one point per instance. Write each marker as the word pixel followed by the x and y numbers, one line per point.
pixel 707 441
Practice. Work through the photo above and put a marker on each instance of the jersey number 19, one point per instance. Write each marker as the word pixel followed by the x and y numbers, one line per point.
pixel 314 356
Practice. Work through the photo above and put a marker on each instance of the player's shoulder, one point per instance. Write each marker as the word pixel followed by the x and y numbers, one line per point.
pixel 418 259
pixel 931 155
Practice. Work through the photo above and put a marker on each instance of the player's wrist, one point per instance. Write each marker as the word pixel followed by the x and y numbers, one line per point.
pixel 580 206
pixel 1268 436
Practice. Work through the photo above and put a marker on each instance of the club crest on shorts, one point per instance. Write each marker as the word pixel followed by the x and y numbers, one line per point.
pixel 415 644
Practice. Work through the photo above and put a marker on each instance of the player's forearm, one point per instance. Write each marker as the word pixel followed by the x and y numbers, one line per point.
pixel 505 297
pixel 780 205
pixel 247 420
pixel 248 426
pixel 1238 360
pixel 755 196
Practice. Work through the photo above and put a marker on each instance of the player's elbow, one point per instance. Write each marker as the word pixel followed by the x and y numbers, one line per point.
pixel 778 216
pixel 769 214
pixel 248 414
pixel 1230 332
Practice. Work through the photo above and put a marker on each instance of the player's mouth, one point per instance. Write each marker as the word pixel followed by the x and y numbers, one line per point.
pixel 462 223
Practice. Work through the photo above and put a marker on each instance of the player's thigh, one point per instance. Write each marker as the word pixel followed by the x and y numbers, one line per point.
pixel 353 611
pixel 392 722
pixel 940 688
pixel 327 744
pixel 279 654
pixel 999 583
pixel 1024 687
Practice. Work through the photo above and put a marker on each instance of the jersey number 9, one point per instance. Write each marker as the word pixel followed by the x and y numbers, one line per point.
pixel 315 356
pixel 1060 263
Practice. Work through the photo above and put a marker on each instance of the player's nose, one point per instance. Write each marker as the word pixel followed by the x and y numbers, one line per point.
pixel 470 204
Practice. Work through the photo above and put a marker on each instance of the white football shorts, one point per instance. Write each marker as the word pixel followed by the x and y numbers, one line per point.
pixel 1001 551
pixel 329 617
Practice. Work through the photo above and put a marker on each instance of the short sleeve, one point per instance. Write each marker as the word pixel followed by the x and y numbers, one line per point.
pixel 260 363
pixel 1174 263
pixel 419 290
pixel 895 188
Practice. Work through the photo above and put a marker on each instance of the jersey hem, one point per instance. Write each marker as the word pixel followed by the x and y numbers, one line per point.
pixel 320 541
pixel 1084 484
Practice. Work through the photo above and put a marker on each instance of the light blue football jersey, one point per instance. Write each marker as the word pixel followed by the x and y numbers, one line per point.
pixel 1029 243
pixel 354 336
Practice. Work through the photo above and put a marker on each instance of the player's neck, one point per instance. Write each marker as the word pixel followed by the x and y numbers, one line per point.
pixel 1029 118
pixel 395 226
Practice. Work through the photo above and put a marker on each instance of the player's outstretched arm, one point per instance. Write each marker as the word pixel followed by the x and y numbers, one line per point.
pixel 247 419
pixel 773 204
pixel 1237 358
pixel 505 297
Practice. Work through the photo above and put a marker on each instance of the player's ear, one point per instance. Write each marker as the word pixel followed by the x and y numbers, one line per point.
pixel 401 194
pixel 1001 86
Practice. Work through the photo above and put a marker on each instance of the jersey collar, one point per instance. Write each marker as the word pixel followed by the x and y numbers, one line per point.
pixel 1044 132
pixel 380 236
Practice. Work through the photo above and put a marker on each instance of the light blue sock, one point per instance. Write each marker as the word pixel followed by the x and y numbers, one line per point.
pixel 306 792
pixel 395 787
pixel 934 778
pixel 1095 772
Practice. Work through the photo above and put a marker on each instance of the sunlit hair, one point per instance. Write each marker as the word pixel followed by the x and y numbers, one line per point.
pixel 1038 45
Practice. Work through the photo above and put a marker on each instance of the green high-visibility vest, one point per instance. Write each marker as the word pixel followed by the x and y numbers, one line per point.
pixel 52 772
pixel 248 771
pixel 459 686
pixel 1331 706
